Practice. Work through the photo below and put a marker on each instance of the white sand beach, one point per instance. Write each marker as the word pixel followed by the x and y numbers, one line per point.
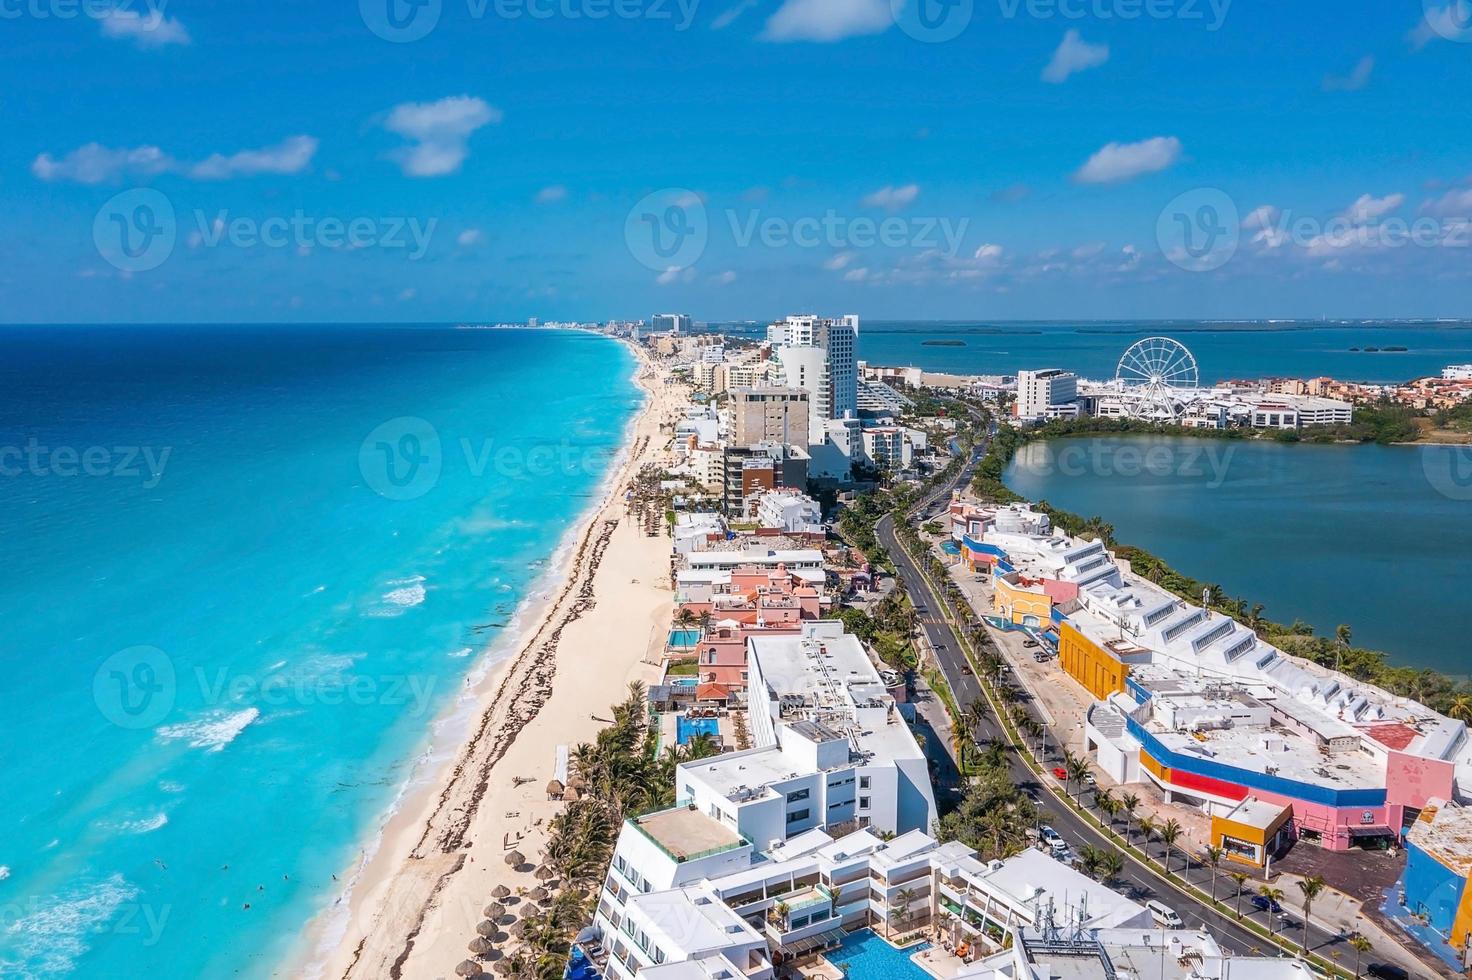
pixel 412 907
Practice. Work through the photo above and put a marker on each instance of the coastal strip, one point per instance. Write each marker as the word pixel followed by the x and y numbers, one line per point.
pixel 414 903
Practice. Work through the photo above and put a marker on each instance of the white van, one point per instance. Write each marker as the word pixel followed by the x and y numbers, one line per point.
pixel 1164 915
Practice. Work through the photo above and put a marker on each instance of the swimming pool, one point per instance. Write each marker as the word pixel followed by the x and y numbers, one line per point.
pixel 866 956
pixel 684 682
pixel 684 639
pixel 688 728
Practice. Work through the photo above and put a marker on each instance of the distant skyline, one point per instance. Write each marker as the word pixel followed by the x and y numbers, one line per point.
pixel 481 160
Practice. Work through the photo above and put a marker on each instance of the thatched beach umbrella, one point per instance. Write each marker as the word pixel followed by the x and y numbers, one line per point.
pixel 503 966
pixel 572 795
pixel 500 892
pixel 555 789
pixel 487 928
pixel 520 929
pixel 545 872
pixel 516 859
pixel 539 894
pixel 578 783
pixel 469 968
pixel 480 946
pixel 494 911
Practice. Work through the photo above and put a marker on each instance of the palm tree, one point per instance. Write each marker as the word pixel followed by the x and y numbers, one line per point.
pixel 1273 896
pixel 1342 635
pixel 903 899
pixel 1212 856
pixel 1169 834
pixel 1131 803
pixel 1147 830
pixel 1311 887
pixel 1361 946
pixel 1107 804
pixel 976 714
pixel 1111 865
pixel 1240 880
pixel 1077 769
pixel 1461 708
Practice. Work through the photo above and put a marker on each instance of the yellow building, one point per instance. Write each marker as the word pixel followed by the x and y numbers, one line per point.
pixel 1251 833
pixel 1101 671
pixel 1020 604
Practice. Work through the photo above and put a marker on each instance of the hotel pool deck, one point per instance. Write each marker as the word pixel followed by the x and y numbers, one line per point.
pixel 865 955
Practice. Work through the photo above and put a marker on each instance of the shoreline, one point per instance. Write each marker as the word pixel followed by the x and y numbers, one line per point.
pixel 411 895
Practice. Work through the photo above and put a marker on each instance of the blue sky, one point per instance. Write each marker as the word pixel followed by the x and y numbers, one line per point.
pixel 193 160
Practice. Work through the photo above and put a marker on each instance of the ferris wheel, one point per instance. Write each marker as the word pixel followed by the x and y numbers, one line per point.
pixel 1158 378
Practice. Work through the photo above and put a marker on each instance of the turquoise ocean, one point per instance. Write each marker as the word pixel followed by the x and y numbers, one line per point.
pixel 245 573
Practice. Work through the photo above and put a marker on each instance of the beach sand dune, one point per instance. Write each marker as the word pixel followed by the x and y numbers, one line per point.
pixel 414 904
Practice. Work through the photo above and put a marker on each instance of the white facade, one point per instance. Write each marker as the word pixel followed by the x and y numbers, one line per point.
pixel 1457 372
pixel 832 748
pixel 1046 394
pixel 790 512
pixel 818 355
pixel 813 887
pixel 887 448
pixel 670 323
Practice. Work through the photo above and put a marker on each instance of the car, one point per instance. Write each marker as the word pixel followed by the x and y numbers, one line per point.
pixel 1266 905
pixel 1164 916
pixel 1040 658
pixel 1048 834
pixel 1031 644
pixel 1060 773
pixel 1386 971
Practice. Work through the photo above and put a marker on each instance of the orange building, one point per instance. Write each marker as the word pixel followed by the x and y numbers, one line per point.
pixel 1100 668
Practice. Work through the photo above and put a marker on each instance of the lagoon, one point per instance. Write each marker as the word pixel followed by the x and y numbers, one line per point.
pixel 1374 536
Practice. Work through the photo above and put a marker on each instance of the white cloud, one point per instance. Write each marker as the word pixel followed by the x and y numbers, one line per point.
pixel 1355 80
pixel 551 195
pixel 290 156
pixel 1125 161
pixel 892 198
pixel 989 253
pixel 1074 55
pixel 1452 204
pixel 469 237
pixel 839 262
pixel 98 164
pixel 724 278
pixel 826 21
pixel 1369 209
pixel 407 294
pixel 728 16
pixel 147 30
pixel 1452 22
pixel 441 132
pixel 676 274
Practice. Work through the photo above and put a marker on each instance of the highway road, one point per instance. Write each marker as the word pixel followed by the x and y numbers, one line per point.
pixel 1139 882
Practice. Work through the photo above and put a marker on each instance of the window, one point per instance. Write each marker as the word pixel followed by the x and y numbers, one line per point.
pixel 797 815
pixel 798 797
pixel 863 803
pixel 863 782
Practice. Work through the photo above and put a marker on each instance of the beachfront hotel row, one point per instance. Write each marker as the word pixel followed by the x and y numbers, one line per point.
pixel 816 839
pixel 1272 748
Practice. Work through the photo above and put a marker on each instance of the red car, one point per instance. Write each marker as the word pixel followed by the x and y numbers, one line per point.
pixel 1061 773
